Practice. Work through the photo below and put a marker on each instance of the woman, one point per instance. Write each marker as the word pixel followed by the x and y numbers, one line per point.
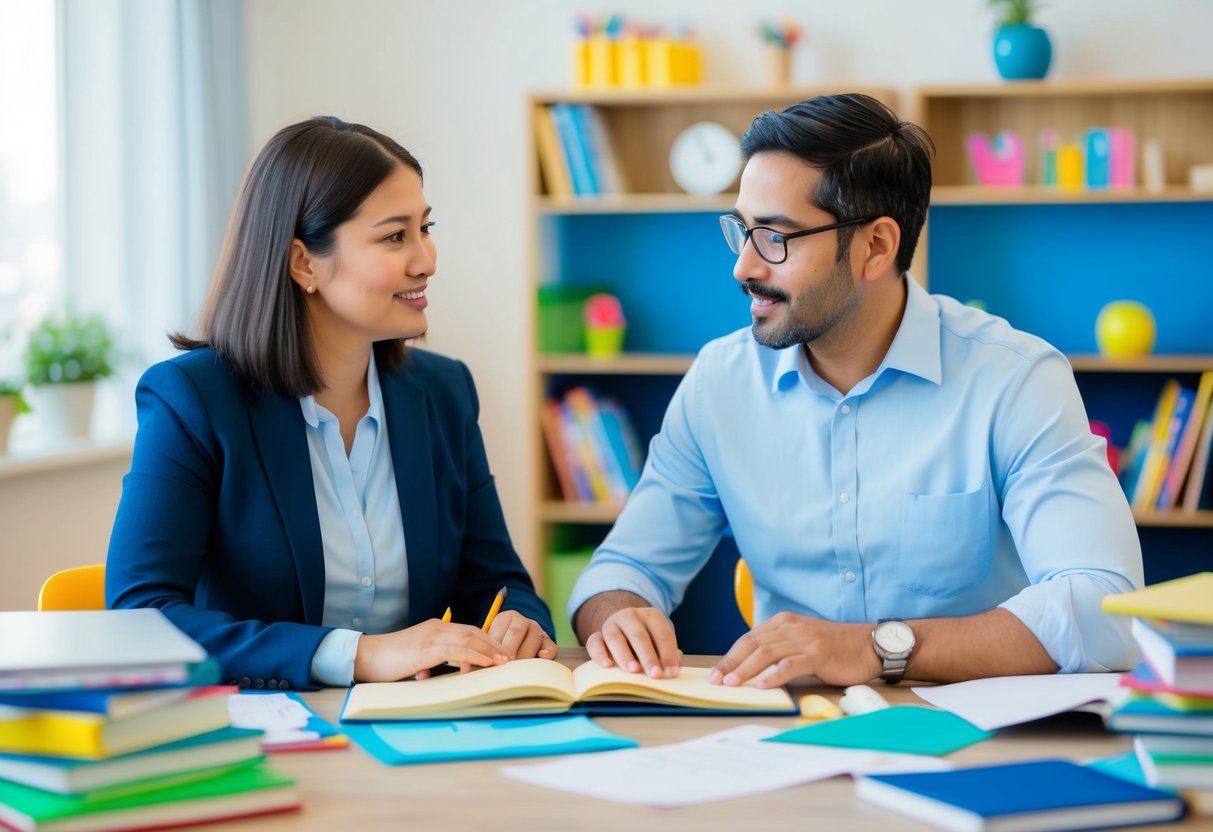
pixel 307 496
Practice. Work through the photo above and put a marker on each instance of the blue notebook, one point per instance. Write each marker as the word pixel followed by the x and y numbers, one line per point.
pixel 396 743
pixel 1034 795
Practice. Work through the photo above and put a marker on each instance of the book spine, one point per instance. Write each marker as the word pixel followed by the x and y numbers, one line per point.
pixel 552 163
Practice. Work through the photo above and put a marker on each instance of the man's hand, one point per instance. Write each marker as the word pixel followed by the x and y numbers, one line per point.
pixel 621 628
pixel 521 637
pixel 797 645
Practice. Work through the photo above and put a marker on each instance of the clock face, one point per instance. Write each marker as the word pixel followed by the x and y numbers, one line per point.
pixel 705 158
pixel 895 637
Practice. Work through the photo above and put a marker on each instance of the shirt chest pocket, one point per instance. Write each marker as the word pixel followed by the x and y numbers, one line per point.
pixel 945 542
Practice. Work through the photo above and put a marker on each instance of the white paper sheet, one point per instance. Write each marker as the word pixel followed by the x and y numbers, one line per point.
pixel 281 718
pixel 1011 700
pixel 727 764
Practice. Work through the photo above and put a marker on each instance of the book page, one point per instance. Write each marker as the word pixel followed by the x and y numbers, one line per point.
pixel 689 689
pixel 541 683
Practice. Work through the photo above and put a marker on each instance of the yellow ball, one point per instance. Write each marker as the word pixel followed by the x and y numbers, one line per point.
pixel 1125 329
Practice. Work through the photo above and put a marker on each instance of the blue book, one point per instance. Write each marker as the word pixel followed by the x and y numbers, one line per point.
pixel 1099 155
pixel 396 744
pixel 1034 795
pixel 575 151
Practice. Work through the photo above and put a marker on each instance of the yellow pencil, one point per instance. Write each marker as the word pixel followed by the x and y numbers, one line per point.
pixel 496 608
pixel 446 616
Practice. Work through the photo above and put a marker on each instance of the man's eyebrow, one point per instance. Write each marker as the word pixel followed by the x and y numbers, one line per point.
pixel 776 219
pixel 402 218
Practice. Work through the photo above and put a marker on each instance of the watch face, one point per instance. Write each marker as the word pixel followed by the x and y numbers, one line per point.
pixel 705 158
pixel 894 637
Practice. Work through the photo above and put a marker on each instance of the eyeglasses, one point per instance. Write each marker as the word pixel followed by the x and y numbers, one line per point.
pixel 770 244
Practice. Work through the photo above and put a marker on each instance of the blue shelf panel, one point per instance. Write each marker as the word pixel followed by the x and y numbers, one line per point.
pixel 1048 269
pixel 673 273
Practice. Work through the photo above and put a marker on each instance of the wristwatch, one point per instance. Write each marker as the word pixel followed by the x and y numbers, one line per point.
pixel 893 641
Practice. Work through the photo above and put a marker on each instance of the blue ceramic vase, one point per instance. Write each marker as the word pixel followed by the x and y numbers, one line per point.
pixel 1022 51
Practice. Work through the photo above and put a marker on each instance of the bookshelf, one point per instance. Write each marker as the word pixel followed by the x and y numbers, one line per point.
pixel 666 262
pixel 1049 259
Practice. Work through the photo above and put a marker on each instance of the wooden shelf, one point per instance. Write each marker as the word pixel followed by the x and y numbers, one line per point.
pixel 625 364
pixel 1047 89
pixel 1040 195
pixel 1176 519
pixel 559 511
pixel 639 204
pixel 702 94
pixel 1145 364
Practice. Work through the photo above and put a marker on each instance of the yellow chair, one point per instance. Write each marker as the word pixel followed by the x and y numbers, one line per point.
pixel 78 588
pixel 743 591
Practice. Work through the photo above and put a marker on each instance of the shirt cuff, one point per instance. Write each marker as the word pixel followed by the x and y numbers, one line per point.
pixel 1064 614
pixel 333 661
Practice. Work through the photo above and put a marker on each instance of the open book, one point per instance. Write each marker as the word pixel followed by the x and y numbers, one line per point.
pixel 542 686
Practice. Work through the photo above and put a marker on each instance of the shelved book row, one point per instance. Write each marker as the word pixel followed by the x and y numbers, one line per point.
pixel 1167 462
pixel 576 154
pixel 1170 710
pixel 93 737
pixel 593 447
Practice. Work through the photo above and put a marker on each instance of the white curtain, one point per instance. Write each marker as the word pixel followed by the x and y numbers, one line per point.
pixel 154 144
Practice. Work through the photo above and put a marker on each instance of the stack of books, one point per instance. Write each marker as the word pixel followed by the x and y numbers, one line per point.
pixel 1170 711
pixel 110 720
pixel 593 447
pixel 1166 464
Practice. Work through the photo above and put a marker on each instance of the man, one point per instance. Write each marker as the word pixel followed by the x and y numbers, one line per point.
pixel 912 482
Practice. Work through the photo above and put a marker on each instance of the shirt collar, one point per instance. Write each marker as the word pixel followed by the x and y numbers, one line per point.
pixel 312 411
pixel 915 347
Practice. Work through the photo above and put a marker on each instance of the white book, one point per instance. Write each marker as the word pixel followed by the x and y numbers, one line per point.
pixel 92 648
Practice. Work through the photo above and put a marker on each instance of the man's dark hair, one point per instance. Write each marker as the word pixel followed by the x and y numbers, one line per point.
pixel 872 164
pixel 307 180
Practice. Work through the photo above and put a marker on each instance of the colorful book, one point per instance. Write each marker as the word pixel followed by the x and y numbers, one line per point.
pixel 1198 493
pixel 1026 796
pixel 107 702
pixel 399 743
pixel 1181 664
pixel 67 775
pixel 1175 771
pixel 1151 715
pixel 1173 402
pixel 245 791
pixel 1145 679
pixel 95 736
pixel 552 164
pixel 541 686
pixel 1185 449
pixel 573 149
pixel 93 649
pixel 557 452
pixel 1183 599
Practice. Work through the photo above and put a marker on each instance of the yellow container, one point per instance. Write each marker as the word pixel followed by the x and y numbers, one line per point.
pixel 659 62
pixel 1070 172
pixel 602 61
pixel 687 63
pixel 630 52
pixel 604 341
pixel 581 63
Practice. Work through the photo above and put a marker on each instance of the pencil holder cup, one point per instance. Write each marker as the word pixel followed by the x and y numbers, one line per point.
pixel 777 60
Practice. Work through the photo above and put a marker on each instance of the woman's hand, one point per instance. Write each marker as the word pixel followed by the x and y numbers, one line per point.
pixel 521 637
pixel 412 652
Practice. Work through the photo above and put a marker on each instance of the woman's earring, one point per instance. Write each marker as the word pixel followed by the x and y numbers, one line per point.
pixel 311 290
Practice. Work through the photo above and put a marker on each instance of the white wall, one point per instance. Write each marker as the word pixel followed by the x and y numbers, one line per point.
pixel 448 80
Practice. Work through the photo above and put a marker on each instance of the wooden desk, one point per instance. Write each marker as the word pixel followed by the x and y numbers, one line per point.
pixel 350 791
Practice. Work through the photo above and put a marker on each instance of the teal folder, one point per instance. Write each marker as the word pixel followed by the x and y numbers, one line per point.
pixel 407 743
pixel 906 729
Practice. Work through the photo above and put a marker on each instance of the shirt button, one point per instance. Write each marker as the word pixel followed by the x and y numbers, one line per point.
pixel 843 497
pixel 357 622
pixel 366 581
pixel 849 576
pixel 846 408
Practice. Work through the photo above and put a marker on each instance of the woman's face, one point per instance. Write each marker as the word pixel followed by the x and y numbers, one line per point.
pixel 372 286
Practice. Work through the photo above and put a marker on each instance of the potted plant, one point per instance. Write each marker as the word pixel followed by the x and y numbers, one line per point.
pixel 1021 49
pixel 11 406
pixel 64 358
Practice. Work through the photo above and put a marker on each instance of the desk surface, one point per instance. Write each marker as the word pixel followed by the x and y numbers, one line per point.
pixel 349 790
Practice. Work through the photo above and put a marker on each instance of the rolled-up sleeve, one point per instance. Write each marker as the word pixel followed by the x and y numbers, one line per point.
pixel 1069 518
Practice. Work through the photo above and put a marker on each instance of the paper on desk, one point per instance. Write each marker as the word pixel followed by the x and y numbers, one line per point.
pixel 727 764
pixel 1011 700
pixel 283 719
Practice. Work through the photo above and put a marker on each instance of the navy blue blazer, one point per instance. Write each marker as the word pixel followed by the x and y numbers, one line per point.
pixel 218 526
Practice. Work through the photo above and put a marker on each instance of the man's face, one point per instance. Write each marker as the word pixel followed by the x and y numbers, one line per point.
pixel 805 297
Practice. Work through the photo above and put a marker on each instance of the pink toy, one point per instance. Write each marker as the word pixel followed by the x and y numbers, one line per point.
pixel 603 310
pixel 999 163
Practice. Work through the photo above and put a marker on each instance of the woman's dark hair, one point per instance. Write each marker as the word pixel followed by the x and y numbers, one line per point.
pixel 872 164
pixel 307 180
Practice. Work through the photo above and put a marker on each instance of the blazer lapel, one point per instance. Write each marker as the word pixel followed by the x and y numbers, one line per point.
pixel 282 443
pixel 407 415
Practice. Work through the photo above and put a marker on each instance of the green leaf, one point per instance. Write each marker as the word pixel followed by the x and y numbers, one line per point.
pixel 69 349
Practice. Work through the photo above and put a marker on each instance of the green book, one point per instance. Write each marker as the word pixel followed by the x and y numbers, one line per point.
pixel 240 791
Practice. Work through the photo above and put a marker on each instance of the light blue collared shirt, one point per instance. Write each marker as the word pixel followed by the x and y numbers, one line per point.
pixel 365 562
pixel 960 476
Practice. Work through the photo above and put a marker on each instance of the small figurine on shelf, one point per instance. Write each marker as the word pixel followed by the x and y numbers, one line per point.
pixel 778 40
pixel 997 163
pixel 604 326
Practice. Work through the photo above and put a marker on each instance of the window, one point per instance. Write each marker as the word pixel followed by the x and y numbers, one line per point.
pixel 30 245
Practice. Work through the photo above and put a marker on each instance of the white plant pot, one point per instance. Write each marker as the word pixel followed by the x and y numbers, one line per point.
pixel 65 410
pixel 8 412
